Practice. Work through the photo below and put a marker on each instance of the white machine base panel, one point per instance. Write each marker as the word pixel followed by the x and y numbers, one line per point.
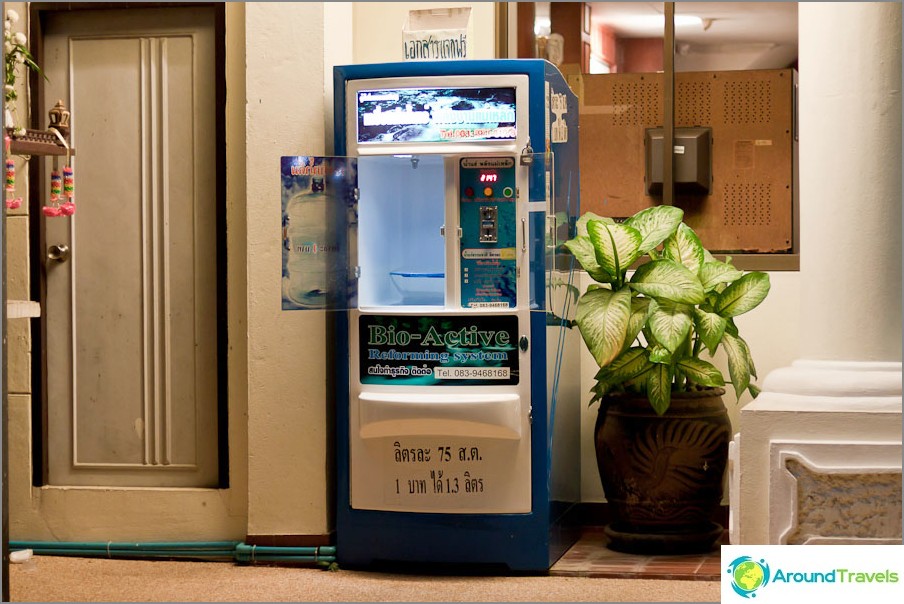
pixel 442 474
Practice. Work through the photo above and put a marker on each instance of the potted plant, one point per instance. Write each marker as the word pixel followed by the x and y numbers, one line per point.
pixel 662 431
pixel 15 53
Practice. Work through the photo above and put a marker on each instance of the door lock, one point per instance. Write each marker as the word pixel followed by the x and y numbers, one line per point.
pixel 58 253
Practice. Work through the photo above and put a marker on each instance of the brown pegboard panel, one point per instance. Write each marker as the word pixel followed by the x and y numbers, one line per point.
pixel 750 112
pixel 615 110
pixel 693 102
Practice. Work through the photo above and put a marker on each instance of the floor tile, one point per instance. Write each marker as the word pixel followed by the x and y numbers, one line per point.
pixel 590 557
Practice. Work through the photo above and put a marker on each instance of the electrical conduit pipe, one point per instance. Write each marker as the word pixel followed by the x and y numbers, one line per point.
pixel 234 550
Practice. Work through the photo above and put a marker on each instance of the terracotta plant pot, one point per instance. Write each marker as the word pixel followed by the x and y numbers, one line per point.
pixel 662 475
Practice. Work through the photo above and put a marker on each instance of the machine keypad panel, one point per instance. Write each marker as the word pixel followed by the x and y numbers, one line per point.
pixel 488 232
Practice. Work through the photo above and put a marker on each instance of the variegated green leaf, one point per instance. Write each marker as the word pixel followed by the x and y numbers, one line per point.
pixel 738 366
pixel 581 225
pixel 743 295
pixel 616 245
pixel 626 366
pixel 684 247
pixel 715 273
pixel 700 372
pixel 754 390
pixel 659 388
pixel 572 294
pixel 746 349
pixel 731 328
pixel 710 327
pixel 670 323
pixel 660 354
pixel 639 307
pixel 599 390
pixel 655 225
pixel 582 250
pixel 667 280
pixel 639 383
pixel 602 317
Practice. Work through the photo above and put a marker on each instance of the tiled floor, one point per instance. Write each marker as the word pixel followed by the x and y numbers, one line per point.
pixel 590 557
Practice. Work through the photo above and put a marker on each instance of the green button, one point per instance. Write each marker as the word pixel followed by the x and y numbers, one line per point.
pixel 507 192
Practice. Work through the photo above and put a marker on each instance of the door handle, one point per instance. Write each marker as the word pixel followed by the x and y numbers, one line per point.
pixel 58 253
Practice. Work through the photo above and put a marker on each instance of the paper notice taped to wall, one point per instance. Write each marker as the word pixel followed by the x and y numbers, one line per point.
pixel 437 34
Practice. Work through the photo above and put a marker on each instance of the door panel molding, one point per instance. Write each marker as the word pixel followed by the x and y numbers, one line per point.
pixel 164 320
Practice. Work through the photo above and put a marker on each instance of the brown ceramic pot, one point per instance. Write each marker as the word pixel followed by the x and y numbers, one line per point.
pixel 662 475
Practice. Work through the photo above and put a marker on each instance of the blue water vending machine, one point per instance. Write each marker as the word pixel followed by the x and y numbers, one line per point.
pixel 437 233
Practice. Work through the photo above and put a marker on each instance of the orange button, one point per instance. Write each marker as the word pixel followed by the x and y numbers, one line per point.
pixel 488 192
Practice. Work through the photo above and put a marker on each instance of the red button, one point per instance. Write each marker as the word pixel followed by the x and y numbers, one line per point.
pixel 469 192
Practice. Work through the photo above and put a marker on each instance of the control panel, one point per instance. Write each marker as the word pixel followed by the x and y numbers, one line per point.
pixel 488 232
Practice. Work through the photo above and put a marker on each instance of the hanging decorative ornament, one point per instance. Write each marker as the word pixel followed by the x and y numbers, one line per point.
pixel 12 202
pixel 56 188
pixel 62 187
pixel 67 208
pixel 10 175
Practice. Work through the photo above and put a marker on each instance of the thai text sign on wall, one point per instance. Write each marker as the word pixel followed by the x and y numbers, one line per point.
pixel 438 34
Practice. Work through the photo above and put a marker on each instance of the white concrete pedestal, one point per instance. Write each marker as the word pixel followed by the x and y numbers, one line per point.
pixel 821 452
pixel 818 458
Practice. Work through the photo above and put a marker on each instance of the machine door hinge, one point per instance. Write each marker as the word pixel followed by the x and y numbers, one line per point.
pixel 357 272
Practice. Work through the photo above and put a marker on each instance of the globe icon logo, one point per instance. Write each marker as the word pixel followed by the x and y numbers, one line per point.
pixel 748 575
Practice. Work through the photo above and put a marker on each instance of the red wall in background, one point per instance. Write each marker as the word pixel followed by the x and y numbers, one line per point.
pixel 639 55
pixel 604 45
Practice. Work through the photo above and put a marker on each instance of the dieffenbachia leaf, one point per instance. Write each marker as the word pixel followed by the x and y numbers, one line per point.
pixel 738 362
pixel 602 317
pixel 582 250
pixel 710 327
pixel 655 225
pixel 639 307
pixel 684 247
pixel 670 323
pixel 660 354
pixel 667 280
pixel 581 224
pixel 616 245
pixel 700 372
pixel 659 388
pixel 626 366
pixel 743 295
pixel 714 273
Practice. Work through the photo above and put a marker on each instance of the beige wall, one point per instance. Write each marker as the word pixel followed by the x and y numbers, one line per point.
pixel 278 103
pixel 288 409
pixel 378 29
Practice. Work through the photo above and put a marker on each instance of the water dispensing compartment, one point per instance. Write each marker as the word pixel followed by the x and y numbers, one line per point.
pixel 400 237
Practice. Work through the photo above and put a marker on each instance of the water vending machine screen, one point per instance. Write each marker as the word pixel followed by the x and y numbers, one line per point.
pixel 436 115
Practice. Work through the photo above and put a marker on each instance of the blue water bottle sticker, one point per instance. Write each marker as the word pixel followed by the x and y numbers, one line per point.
pixel 317 194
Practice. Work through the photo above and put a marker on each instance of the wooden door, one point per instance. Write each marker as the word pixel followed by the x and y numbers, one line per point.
pixel 131 314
